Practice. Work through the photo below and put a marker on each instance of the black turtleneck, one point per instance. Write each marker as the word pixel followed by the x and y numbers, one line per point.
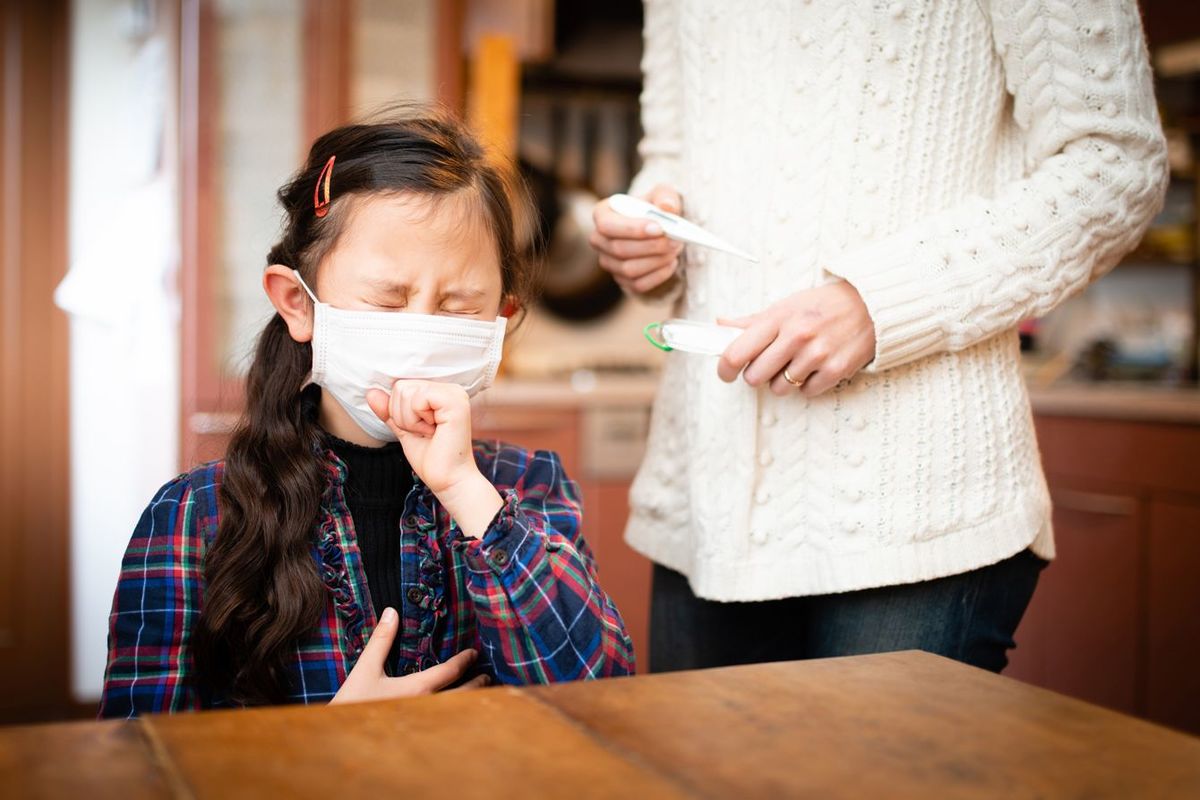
pixel 378 480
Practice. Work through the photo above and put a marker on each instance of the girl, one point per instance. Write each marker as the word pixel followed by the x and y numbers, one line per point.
pixel 355 544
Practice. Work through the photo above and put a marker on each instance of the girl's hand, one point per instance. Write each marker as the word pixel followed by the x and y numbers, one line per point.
pixel 820 336
pixel 432 420
pixel 368 681
pixel 637 253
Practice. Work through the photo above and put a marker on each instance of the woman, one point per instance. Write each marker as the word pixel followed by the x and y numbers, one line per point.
pixel 859 470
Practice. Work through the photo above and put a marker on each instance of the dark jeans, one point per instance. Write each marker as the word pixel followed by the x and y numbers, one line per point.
pixel 969 617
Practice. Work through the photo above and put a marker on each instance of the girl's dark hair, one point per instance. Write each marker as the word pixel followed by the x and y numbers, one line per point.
pixel 263 594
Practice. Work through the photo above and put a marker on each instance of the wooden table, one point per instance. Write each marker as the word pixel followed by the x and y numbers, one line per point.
pixel 893 725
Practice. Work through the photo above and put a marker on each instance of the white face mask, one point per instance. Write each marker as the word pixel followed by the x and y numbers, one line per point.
pixel 354 351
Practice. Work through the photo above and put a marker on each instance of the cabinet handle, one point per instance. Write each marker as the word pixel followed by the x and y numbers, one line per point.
pixel 1094 503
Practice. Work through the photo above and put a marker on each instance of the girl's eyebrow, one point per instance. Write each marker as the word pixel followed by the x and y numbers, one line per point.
pixel 463 294
pixel 387 286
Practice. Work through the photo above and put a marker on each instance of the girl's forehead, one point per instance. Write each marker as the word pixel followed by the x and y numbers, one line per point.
pixel 408 236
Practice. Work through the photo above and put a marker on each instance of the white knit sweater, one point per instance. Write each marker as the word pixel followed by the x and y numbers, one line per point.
pixel 963 164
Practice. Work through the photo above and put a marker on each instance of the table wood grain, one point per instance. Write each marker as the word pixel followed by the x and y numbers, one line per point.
pixel 896 725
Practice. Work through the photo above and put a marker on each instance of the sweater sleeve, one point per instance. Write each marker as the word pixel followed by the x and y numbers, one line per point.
pixel 661 101
pixel 1095 175
pixel 541 613
pixel 154 610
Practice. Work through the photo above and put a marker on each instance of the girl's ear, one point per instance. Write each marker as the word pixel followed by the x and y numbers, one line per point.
pixel 290 300
pixel 509 307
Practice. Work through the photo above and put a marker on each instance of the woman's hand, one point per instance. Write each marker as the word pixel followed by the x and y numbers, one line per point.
pixel 432 420
pixel 368 681
pixel 637 253
pixel 820 336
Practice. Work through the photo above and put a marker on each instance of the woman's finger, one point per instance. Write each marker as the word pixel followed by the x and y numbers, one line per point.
pixel 801 367
pixel 769 363
pixel 612 225
pixel 655 279
pixel 738 322
pixel 629 249
pixel 635 268
pixel 745 349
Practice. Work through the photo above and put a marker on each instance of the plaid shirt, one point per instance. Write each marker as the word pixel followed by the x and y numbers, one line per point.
pixel 525 595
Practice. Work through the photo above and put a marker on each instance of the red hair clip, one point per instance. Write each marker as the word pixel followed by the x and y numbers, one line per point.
pixel 321 198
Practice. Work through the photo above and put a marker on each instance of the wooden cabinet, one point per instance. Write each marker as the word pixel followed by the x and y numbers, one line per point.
pixel 1079 636
pixel 603 478
pixel 1173 613
pixel 1116 617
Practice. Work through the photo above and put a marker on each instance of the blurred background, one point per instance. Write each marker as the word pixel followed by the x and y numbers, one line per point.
pixel 141 145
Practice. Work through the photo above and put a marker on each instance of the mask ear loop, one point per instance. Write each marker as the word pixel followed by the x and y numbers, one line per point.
pixel 648 333
pixel 296 272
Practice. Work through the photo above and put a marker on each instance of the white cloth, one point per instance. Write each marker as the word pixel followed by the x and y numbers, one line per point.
pixel 963 164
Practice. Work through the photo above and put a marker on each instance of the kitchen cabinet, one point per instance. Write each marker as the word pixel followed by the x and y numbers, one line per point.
pixel 600 446
pixel 1116 617
pixel 1173 613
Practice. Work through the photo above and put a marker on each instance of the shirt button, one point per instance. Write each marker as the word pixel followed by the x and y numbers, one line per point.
pixel 411 520
pixel 762 497
pixel 876 141
pixel 765 458
pixel 889 52
pixel 870 185
pixel 415 595
pixel 1110 109
pixel 412 668
pixel 849 526
pixel 1104 71
pixel 896 10
pixel 857 422
pixel 768 419
pixel 758 535
pixel 856 459
pixel 499 557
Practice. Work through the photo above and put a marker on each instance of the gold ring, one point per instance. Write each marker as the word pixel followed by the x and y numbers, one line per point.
pixel 787 376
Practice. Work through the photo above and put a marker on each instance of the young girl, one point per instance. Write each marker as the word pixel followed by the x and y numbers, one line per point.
pixel 355 543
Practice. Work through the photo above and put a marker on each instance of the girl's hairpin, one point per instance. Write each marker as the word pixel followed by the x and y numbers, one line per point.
pixel 321 199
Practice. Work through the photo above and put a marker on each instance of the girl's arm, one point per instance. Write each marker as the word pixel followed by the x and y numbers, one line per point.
pixel 541 614
pixel 155 606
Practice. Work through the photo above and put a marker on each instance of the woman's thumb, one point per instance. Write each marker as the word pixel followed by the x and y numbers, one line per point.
pixel 666 198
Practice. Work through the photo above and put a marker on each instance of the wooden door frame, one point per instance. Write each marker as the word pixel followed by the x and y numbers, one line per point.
pixel 34 401
pixel 211 399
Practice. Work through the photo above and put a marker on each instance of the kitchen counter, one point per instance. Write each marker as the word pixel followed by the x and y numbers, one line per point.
pixel 1095 400
pixel 1118 401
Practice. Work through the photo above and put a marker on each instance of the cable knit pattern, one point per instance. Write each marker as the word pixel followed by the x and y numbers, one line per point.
pixel 964 165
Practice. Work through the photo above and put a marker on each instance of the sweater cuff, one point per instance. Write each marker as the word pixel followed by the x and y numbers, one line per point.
pixel 898 295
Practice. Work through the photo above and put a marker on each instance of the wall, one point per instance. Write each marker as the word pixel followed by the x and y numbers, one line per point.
pixel 124 372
